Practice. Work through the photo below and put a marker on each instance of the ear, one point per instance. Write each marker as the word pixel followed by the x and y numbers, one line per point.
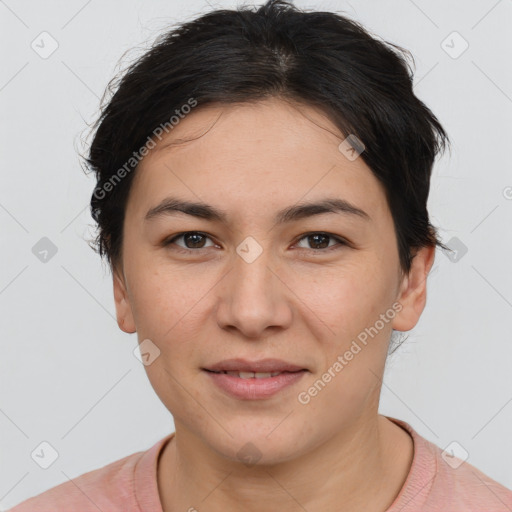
pixel 123 308
pixel 413 290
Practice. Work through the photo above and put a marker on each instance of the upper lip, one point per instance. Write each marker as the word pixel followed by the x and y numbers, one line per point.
pixel 261 366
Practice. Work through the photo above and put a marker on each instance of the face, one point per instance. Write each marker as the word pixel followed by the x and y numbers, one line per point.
pixel 253 283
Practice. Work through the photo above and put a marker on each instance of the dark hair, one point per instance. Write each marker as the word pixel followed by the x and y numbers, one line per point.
pixel 321 59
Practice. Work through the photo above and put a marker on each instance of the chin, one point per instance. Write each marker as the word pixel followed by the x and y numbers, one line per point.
pixel 258 445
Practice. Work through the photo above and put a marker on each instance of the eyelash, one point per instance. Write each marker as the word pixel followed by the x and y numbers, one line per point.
pixel 341 241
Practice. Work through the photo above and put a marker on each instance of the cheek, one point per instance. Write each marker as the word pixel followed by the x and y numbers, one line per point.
pixel 167 310
pixel 166 304
pixel 350 300
pixel 346 297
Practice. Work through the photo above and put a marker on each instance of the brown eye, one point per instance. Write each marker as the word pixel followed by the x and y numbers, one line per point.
pixel 191 239
pixel 320 240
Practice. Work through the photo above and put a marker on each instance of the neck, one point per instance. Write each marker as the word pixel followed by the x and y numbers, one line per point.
pixel 363 468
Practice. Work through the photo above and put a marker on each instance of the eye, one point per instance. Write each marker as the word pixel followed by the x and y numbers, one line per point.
pixel 196 240
pixel 192 239
pixel 321 239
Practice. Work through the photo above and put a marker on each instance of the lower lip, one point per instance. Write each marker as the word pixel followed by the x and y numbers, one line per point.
pixel 254 389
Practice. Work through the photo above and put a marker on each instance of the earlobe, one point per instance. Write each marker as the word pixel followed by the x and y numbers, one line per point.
pixel 124 314
pixel 413 290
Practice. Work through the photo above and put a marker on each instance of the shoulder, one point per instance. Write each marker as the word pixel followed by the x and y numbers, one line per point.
pixel 465 487
pixel 107 488
pixel 438 480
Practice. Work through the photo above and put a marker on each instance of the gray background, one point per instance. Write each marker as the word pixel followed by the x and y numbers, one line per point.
pixel 68 375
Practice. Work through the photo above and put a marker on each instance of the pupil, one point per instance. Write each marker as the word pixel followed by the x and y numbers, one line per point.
pixel 194 244
pixel 325 237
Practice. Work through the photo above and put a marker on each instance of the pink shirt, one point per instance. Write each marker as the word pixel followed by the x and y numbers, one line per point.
pixel 130 485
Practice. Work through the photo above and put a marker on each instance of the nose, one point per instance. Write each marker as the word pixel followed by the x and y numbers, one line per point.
pixel 254 298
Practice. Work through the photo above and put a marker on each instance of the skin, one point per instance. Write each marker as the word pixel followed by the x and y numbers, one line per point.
pixel 297 301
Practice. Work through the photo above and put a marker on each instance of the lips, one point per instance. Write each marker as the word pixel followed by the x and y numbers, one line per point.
pixel 254 380
pixel 252 375
pixel 245 369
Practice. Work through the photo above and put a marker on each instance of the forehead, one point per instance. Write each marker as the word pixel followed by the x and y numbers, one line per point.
pixel 255 157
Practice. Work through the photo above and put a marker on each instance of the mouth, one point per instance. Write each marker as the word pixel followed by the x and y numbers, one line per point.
pixel 256 380
pixel 252 375
pixel 259 367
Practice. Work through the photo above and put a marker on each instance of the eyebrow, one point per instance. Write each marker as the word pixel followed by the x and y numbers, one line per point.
pixel 171 206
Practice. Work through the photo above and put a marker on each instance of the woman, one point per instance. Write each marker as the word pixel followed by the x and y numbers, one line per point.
pixel 262 186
